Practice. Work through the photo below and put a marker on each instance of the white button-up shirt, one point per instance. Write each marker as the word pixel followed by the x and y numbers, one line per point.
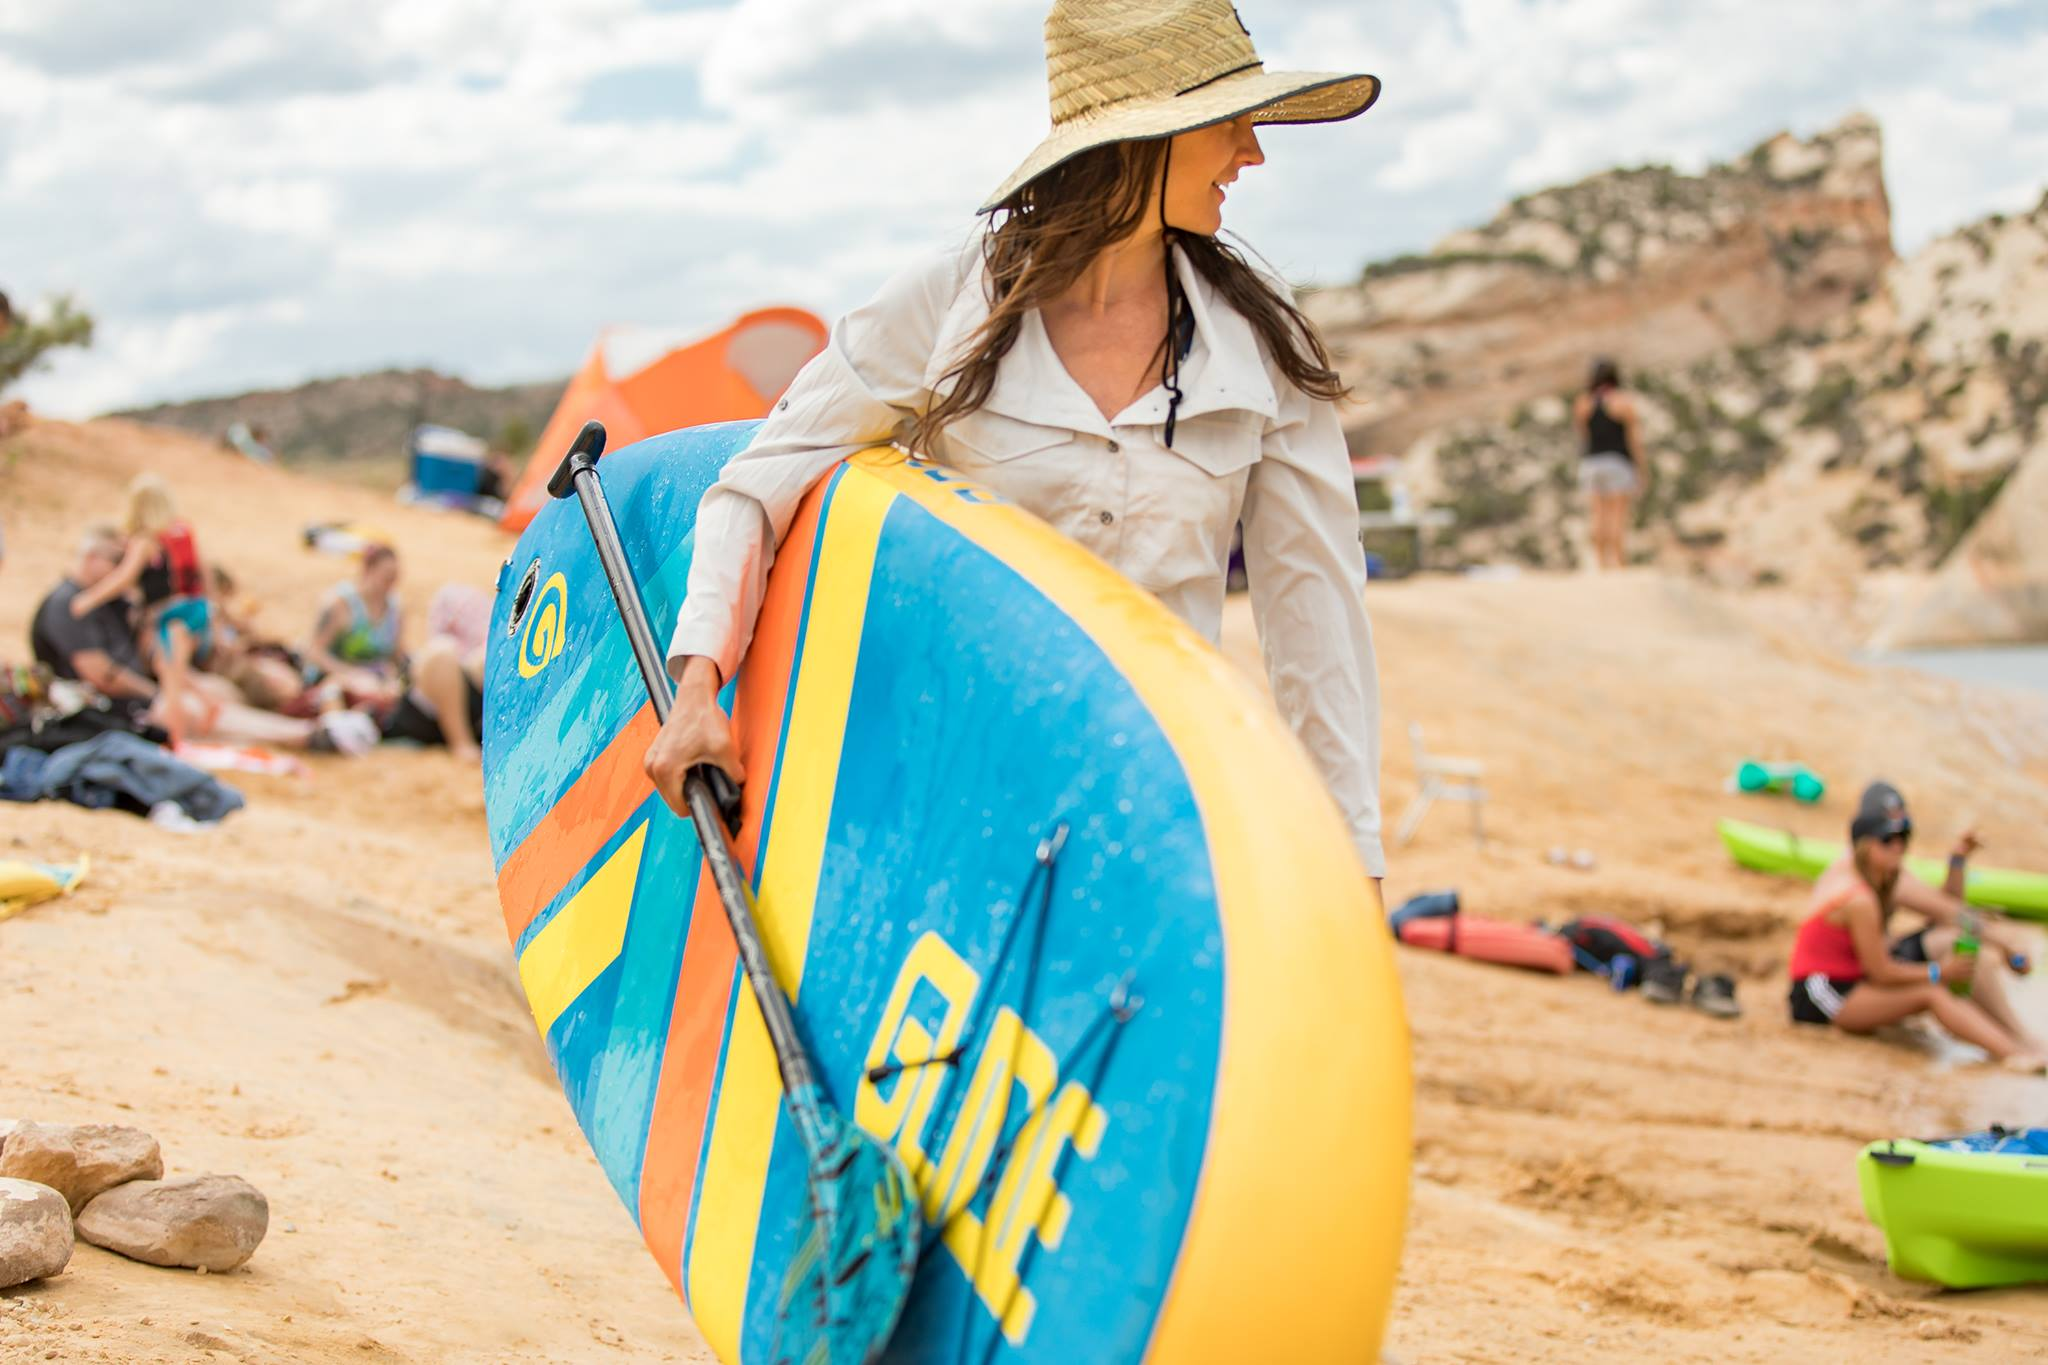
pixel 1248 447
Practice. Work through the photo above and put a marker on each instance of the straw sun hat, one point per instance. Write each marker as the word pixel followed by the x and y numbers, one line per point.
pixel 1122 70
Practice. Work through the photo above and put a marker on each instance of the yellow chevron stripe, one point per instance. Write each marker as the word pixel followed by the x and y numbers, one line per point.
pixel 580 942
pixel 750 1093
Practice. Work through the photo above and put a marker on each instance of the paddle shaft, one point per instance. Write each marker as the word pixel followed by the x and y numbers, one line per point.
pixel 579 471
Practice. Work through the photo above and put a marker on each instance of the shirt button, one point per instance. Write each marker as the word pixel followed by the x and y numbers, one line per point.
pixel 1113 449
pixel 783 406
pixel 1106 517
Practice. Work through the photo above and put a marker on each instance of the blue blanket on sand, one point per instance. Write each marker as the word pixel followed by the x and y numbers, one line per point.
pixel 116 769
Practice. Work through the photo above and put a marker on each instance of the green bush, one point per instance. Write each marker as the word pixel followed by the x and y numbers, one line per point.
pixel 1951 512
pixel 23 348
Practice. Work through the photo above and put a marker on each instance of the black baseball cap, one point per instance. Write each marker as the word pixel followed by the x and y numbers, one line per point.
pixel 1880 814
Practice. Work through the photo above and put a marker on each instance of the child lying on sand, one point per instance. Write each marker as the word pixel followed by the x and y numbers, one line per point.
pixel 1845 973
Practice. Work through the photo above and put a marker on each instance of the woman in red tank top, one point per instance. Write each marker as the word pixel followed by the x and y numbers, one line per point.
pixel 1843 972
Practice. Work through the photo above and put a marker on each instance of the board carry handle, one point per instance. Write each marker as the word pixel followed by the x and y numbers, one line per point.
pixel 712 796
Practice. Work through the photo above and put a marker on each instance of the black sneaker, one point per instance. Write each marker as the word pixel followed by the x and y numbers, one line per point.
pixel 1715 995
pixel 1663 981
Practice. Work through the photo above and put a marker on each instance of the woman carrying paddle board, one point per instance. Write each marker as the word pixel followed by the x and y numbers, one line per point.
pixel 1098 357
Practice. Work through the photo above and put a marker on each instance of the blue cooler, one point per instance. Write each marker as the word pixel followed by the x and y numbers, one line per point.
pixel 446 463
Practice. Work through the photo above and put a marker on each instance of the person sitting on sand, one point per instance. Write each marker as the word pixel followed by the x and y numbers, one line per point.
pixel 265 671
pixel 98 647
pixel 162 562
pixel 445 703
pixel 1844 973
pixel 1945 912
pixel 1609 471
pixel 355 641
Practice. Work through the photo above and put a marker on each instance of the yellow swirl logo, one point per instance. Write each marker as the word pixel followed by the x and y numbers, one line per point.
pixel 546 624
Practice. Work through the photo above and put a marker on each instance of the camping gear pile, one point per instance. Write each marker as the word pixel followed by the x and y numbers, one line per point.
pixel 1601 944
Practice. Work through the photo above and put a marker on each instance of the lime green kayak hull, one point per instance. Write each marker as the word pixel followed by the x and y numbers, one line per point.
pixel 1763 849
pixel 1967 1220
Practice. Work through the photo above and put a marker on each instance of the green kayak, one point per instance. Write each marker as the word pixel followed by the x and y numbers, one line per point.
pixel 1966 1212
pixel 1763 849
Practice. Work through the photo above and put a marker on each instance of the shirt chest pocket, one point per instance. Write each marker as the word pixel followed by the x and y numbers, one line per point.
pixel 985 438
pixel 1222 445
pixel 1185 500
pixel 1200 480
pixel 1043 469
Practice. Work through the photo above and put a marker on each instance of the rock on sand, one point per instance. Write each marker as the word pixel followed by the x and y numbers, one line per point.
pixel 35 1232
pixel 79 1162
pixel 199 1222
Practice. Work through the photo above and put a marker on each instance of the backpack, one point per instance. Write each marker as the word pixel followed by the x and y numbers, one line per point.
pixel 1600 941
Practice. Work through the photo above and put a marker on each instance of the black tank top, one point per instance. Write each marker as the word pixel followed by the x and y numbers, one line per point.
pixel 1605 435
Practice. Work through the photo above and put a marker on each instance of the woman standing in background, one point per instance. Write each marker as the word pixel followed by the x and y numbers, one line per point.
pixel 1610 469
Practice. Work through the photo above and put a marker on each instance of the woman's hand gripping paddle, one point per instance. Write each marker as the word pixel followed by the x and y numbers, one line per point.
pixel 844 1289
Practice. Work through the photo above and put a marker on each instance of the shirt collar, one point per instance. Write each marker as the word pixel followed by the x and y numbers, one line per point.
pixel 1224 369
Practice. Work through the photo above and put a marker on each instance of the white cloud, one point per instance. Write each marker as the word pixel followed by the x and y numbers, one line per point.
pixel 289 208
pixel 1444 148
pixel 261 190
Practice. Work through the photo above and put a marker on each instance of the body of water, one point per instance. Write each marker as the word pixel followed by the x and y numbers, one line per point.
pixel 2004 666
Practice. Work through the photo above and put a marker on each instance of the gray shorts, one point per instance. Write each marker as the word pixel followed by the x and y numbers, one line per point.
pixel 1609 473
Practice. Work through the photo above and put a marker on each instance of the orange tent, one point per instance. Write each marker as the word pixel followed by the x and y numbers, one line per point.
pixel 641 383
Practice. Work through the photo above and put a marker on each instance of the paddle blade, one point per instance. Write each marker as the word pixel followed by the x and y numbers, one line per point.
pixel 845 1288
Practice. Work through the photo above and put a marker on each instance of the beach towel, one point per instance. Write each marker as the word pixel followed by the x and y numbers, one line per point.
pixel 23 884
pixel 229 758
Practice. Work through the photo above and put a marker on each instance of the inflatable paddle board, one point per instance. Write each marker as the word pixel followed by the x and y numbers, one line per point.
pixel 1065 913
pixel 1492 940
pixel 1763 849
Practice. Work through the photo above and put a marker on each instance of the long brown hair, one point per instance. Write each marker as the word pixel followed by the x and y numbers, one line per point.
pixel 1045 236
pixel 1885 888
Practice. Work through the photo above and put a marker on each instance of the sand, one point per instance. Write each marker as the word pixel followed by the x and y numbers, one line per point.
pixel 319 996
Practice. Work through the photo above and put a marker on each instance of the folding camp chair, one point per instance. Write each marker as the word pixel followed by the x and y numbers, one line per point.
pixel 1442 778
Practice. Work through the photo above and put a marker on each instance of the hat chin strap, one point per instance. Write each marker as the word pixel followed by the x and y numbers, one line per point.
pixel 1176 303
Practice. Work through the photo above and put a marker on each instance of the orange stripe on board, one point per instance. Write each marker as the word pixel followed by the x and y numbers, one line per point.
pixel 577 826
pixel 675 1127
pixel 696 1032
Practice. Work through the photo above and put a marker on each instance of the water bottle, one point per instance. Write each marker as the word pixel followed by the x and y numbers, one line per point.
pixel 1966 946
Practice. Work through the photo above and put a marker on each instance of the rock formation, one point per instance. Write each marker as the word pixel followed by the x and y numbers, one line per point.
pixel 1843 433
pixel 1649 265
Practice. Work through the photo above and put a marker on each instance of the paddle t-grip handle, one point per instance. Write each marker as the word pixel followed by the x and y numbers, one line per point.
pixel 583 453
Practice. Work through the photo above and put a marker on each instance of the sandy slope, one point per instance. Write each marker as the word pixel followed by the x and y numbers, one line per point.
pixel 319 997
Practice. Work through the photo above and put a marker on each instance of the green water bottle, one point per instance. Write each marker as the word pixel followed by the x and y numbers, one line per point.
pixel 1966 946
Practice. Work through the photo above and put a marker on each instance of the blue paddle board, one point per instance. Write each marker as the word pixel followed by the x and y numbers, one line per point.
pixel 1065 912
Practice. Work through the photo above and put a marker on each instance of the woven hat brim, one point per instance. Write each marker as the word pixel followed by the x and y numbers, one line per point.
pixel 1269 96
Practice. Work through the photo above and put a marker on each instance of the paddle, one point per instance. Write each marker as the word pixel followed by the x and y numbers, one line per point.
pixel 844 1288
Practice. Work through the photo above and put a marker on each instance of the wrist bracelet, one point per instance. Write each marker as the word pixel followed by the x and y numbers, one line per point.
pixel 1957 859
pixel 1934 973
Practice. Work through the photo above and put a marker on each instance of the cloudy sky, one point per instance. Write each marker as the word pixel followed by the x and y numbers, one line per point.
pixel 254 192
